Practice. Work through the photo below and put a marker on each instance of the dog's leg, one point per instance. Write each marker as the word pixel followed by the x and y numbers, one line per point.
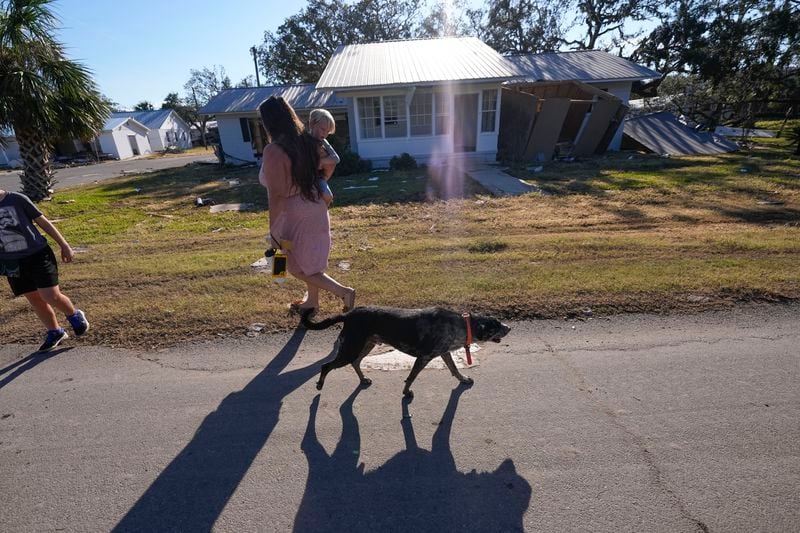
pixel 419 364
pixel 448 360
pixel 365 381
pixel 350 346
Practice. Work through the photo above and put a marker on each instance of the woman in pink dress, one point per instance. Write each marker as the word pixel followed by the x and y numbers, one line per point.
pixel 298 216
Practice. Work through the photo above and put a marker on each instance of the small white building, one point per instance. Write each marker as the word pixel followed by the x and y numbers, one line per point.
pixel 9 150
pixel 166 127
pixel 124 137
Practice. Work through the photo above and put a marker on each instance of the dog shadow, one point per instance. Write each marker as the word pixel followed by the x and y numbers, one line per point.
pixel 191 492
pixel 416 490
pixel 27 363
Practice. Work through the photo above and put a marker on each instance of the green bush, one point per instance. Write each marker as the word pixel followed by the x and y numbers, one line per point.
pixel 403 162
pixel 487 247
pixel 351 163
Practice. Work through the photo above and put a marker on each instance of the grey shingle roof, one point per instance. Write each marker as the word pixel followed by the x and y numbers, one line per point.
pixel 301 96
pixel 588 65
pixel 413 62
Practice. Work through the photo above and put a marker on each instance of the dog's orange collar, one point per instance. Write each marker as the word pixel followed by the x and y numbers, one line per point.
pixel 469 337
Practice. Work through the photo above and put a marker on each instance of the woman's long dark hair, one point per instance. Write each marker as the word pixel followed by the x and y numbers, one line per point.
pixel 286 130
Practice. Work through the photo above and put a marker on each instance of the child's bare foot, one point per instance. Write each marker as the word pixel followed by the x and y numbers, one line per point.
pixel 349 300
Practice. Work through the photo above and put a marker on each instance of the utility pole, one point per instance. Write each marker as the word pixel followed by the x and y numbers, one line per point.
pixel 254 51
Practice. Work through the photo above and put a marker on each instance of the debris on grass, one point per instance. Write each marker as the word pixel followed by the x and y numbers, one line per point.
pixel 221 208
pixel 344 266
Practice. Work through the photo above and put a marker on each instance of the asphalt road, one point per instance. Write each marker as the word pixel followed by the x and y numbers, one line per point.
pixel 633 423
pixel 71 176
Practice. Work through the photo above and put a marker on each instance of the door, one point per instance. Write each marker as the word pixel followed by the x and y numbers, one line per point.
pixel 465 123
pixel 134 145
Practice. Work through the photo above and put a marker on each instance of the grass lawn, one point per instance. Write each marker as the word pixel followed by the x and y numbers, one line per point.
pixel 195 150
pixel 611 234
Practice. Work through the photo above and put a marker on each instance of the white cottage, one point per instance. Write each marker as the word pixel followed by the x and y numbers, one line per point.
pixel 430 98
pixel 124 137
pixel 166 128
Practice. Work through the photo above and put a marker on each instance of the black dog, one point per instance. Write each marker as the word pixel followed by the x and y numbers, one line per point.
pixel 421 333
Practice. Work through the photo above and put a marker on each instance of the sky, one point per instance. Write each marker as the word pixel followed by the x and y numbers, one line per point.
pixel 144 50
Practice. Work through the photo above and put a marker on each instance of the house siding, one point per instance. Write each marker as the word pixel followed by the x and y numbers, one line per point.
pixel 237 150
pixel 9 154
pixel 428 148
pixel 116 143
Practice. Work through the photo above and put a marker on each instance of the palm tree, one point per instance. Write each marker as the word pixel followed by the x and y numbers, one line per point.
pixel 43 95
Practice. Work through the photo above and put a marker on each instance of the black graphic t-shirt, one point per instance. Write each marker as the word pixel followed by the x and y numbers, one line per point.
pixel 18 236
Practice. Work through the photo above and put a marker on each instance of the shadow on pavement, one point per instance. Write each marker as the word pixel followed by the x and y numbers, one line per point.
pixel 194 488
pixel 416 490
pixel 27 363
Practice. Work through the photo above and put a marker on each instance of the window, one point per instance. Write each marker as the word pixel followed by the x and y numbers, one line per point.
pixel 442 114
pixel 394 116
pixel 245 127
pixel 369 116
pixel 489 110
pixel 420 114
pixel 169 136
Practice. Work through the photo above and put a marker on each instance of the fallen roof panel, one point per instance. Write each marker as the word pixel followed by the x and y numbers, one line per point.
pixel 664 134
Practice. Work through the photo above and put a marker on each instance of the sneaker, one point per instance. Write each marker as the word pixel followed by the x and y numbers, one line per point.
pixel 53 339
pixel 78 322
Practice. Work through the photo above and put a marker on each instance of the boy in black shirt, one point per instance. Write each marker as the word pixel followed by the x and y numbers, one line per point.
pixel 30 265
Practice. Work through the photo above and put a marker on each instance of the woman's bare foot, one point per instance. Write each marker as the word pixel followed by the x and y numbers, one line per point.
pixel 349 300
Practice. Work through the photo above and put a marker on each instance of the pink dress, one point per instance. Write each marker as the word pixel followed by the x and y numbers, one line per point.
pixel 293 218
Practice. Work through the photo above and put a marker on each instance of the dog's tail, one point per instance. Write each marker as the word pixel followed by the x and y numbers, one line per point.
pixel 305 319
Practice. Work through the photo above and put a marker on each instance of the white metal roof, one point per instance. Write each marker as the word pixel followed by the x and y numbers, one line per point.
pixel 151 119
pixel 664 134
pixel 413 62
pixel 586 65
pixel 246 100
pixel 113 122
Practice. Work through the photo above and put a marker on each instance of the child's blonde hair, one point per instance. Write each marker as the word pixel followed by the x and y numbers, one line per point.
pixel 321 116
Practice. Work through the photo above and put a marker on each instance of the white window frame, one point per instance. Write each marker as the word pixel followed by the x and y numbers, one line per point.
pixel 447 116
pixel 361 118
pixel 489 112
pixel 415 114
pixel 400 118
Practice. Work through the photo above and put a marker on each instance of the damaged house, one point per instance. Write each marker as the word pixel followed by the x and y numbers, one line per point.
pixel 452 97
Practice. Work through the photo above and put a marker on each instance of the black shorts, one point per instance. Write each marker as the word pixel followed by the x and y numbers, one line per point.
pixel 37 271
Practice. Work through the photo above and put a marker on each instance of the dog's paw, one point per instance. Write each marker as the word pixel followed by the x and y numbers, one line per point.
pixel 408 393
pixel 366 382
pixel 467 381
pixel 319 385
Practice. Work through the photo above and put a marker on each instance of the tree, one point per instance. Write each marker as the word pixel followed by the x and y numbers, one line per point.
pixel 524 26
pixel 144 105
pixel 185 111
pixel 246 82
pixel 43 94
pixel 742 55
pixel 301 47
pixel 172 101
pixel 449 20
pixel 202 86
pixel 604 17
